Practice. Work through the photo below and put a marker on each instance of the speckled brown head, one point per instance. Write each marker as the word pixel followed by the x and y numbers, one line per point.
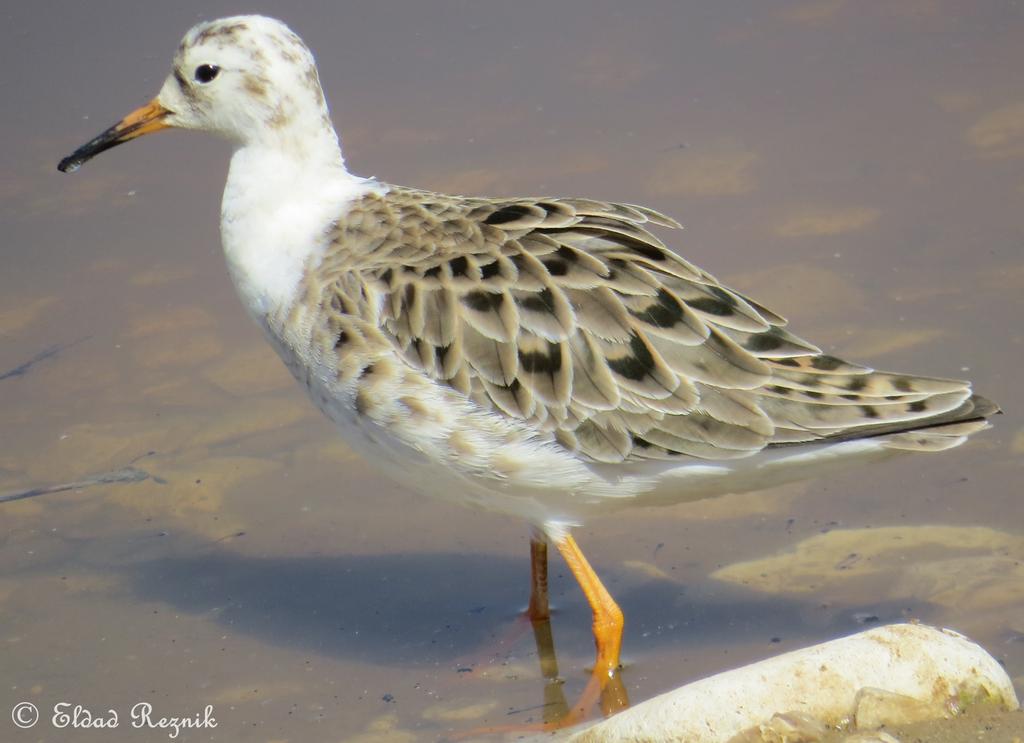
pixel 248 78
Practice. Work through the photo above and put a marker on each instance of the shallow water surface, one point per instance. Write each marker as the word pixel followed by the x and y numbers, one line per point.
pixel 858 169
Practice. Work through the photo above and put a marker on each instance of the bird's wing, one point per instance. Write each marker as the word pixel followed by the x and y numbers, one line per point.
pixel 571 315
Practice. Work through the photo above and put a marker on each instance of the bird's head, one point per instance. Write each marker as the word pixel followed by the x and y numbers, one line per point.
pixel 247 78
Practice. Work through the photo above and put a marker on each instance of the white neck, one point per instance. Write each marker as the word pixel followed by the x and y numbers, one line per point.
pixel 279 204
pixel 308 138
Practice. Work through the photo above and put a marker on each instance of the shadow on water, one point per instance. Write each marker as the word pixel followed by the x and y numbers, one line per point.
pixel 436 608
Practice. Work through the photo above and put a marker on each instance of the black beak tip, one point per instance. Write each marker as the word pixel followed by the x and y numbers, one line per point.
pixel 69 164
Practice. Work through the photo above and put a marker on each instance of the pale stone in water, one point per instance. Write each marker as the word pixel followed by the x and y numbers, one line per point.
pixel 174 321
pixel 7 587
pixel 818 295
pixel 955 101
pixel 383 729
pixel 999 133
pixel 160 275
pixel 251 371
pixel 739 505
pixel 872 736
pixel 92 448
pixel 819 683
pixel 842 555
pixel 154 353
pixel 790 727
pixel 19 314
pixel 256 416
pixel 876 708
pixel 257 691
pixel 873 343
pixel 647 569
pixel 1017 447
pixel 450 714
pixel 723 171
pixel 86 582
pixel 823 221
pixel 982 582
pixel 194 487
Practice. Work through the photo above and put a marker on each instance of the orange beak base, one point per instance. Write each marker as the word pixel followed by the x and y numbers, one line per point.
pixel 145 120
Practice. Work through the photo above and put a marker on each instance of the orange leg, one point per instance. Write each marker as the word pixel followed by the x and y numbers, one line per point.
pixel 605 684
pixel 539 610
pixel 607 614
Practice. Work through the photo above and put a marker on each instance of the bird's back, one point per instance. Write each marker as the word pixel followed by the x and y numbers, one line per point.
pixel 570 319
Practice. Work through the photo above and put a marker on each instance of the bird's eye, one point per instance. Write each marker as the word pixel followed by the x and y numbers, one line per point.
pixel 206 72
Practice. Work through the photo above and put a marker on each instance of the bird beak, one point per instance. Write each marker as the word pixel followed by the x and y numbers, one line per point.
pixel 149 118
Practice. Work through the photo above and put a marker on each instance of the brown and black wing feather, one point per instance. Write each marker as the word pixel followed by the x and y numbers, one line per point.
pixel 571 315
